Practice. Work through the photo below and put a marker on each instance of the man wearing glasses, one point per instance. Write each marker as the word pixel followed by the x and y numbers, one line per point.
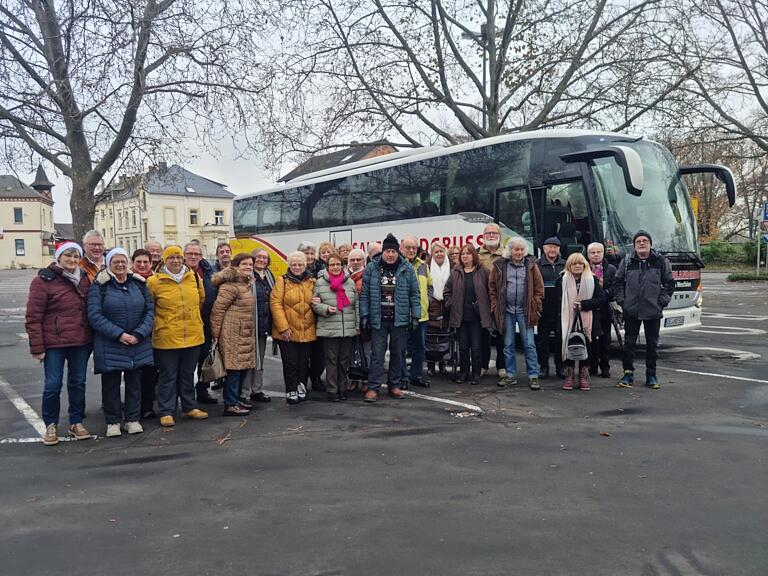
pixel 489 252
pixel 193 257
pixel 93 258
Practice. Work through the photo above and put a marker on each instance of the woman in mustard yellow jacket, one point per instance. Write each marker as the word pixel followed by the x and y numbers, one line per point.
pixel 177 334
pixel 293 324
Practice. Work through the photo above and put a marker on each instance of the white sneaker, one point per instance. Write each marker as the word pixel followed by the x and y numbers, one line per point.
pixel 501 373
pixel 133 428
pixel 302 392
pixel 113 430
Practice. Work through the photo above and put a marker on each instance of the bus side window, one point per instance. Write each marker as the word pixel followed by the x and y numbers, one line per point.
pixel 328 205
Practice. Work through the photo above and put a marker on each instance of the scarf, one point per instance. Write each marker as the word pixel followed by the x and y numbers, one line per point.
pixel 570 295
pixel 337 285
pixel 73 277
pixel 176 277
pixel 597 270
pixel 440 274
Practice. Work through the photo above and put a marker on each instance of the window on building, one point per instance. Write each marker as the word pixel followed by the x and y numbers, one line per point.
pixel 133 217
pixel 20 251
pixel 193 217
pixel 104 232
pixel 218 217
pixel 18 216
pixel 169 217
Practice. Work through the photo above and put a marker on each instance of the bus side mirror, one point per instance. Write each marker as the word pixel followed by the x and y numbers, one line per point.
pixel 723 174
pixel 628 160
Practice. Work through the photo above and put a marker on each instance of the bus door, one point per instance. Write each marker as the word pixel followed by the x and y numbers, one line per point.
pixel 515 210
pixel 339 237
pixel 564 213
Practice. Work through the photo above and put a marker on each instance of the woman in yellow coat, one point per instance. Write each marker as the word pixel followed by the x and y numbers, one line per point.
pixel 293 324
pixel 177 334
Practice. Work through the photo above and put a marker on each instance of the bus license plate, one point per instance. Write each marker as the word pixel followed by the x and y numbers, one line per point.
pixel 674 321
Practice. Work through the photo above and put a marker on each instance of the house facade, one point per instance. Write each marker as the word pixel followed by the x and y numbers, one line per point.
pixel 26 222
pixel 168 204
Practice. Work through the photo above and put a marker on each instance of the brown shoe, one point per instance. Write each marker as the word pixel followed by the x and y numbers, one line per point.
pixel 196 414
pixel 51 437
pixel 78 432
pixel 397 393
pixel 371 396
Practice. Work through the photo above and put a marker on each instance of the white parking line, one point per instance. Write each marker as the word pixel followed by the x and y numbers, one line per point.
pixel 26 410
pixel 736 354
pixel 744 317
pixel 714 375
pixel 730 330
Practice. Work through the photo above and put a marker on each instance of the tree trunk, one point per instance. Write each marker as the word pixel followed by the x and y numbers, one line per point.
pixel 82 206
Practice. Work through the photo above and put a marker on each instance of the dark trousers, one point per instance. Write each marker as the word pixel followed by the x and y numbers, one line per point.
pixel 544 341
pixel 486 343
pixel 337 351
pixel 396 337
pixel 601 347
pixel 176 379
pixel 148 384
pixel 631 330
pixel 110 396
pixel 76 358
pixel 470 341
pixel 295 363
pixel 232 386
pixel 316 361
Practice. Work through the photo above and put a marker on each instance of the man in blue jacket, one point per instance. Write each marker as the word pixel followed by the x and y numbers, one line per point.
pixel 389 303
pixel 643 288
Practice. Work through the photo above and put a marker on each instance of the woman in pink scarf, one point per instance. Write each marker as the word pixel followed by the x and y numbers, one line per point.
pixel 581 295
pixel 336 306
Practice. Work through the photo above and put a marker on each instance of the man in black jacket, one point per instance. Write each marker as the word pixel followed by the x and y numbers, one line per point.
pixel 605 272
pixel 643 288
pixel 551 265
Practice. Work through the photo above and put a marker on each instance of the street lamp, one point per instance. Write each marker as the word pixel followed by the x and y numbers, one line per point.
pixel 482 38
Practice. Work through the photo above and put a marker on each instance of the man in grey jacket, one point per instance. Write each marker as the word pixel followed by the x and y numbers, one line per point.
pixel 643 288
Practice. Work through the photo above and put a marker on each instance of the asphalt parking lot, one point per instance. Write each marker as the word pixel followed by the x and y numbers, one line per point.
pixel 499 482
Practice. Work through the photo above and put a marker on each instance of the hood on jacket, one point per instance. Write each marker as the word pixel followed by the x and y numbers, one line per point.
pixel 104 276
pixel 654 255
pixel 228 275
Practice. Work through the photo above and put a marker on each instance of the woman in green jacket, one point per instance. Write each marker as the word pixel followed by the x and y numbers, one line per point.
pixel 336 306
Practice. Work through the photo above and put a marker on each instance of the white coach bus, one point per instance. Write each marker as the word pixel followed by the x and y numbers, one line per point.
pixel 580 186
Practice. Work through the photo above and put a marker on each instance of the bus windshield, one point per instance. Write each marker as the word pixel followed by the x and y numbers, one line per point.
pixel 663 209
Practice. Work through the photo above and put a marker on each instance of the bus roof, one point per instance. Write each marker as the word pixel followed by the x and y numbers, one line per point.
pixel 408 156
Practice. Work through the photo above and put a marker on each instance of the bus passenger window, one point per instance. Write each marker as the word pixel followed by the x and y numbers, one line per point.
pixel 328 205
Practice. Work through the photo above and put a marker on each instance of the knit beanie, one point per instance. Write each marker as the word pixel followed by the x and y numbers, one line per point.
pixel 172 251
pixel 67 246
pixel 642 233
pixel 115 252
pixel 390 243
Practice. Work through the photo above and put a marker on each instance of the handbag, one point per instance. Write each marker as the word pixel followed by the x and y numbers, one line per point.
pixel 358 363
pixel 213 366
pixel 576 343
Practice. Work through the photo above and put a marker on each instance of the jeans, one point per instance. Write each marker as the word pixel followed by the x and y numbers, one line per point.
pixel 543 342
pixel 527 340
pixel 295 363
pixel 470 340
pixel 110 396
pixel 396 335
pixel 232 386
pixel 253 381
pixel 416 339
pixel 76 358
pixel 631 330
pixel 176 379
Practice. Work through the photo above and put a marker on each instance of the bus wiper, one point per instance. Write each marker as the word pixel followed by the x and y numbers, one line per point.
pixel 686 253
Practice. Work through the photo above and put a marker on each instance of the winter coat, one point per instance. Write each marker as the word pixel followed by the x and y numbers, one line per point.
pixel 643 288
pixel 178 323
pixel 291 306
pixel 262 288
pixel 115 309
pixel 57 314
pixel 594 304
pixel 425 286
pixel 550 274
pixel 487 258
pixel 407 294
pixel 206 276
pixel 498 292
pixel 454 297
pixel 438 314
pixel 607 284
pixel 233 320
pixel 90 268
pixel 344 323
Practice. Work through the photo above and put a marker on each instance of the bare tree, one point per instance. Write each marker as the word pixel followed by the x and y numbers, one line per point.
pixel 419 71
pixel 89 85
pixel 725 55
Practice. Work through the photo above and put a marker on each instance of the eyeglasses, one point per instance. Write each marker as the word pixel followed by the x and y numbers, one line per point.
pixel 199 254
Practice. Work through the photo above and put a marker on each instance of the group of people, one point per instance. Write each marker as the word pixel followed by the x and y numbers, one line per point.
pixel 153 317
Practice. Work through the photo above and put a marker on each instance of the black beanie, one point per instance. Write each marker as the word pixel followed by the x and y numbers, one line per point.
pixel 390 243
pixel 642 233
